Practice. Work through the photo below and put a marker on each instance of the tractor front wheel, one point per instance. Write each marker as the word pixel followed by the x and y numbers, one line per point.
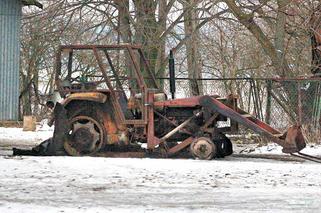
pixel 203 148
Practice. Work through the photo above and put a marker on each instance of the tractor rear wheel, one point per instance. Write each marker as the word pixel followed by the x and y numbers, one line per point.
pixel 87 133
pixel 203 148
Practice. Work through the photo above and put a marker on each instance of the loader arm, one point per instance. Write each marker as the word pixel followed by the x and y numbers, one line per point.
pixel 292 141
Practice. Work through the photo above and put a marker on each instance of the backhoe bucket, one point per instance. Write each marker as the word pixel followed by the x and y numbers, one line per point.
pixel 294 140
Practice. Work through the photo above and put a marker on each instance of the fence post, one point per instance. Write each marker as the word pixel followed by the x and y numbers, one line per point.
pixel 268 102
pixel 299 119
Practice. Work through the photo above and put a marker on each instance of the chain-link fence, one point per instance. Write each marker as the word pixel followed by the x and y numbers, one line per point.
pixel 278 102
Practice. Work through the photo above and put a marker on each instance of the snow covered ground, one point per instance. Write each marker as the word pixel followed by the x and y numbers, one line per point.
pixel 70 184
pixel 10 137
pixel 275 149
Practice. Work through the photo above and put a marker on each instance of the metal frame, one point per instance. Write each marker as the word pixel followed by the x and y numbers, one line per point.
pixel 137 74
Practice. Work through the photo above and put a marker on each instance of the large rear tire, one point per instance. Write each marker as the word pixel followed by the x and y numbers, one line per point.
pixel 87 133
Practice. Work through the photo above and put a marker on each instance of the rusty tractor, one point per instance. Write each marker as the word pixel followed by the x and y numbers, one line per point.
pixel 113 106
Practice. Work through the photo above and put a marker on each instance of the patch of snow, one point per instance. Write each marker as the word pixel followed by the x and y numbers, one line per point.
pixel 20 138
pixel 43 126
pixel 273 148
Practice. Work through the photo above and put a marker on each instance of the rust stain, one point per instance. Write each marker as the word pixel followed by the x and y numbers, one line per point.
pixel 86 96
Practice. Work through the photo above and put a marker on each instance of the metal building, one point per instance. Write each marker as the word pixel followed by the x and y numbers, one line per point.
pixel 10 19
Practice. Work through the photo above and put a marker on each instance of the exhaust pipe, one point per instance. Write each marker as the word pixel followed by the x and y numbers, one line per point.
pixel 171 66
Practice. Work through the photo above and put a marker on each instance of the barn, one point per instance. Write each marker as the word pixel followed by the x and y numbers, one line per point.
pixel 10 19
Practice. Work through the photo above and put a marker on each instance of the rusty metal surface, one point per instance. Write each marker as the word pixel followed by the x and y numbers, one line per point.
pixel 85 96
pixel 116 76
pixel 258 122
pixel 203 148
pixel 172 122
pixel 179 127
pixel 138 74
pixel 97 49
pixel 84 139
pixel 293 142
pixel 151 141
pixel 217 106
pixel 180 146
pixel 183 102
pixel 116 132
pixel 114 101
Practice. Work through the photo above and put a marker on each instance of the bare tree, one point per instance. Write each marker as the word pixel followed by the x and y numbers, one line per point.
pixel 192 47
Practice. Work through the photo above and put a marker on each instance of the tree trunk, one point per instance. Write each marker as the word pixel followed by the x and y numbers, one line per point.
pixel 192 52
pixel 159 65
pixel 311 97
pixel 125 35
pixel 315 35
pixel 146 28
pixel 123 20
pixel 280 33
pixel 25 95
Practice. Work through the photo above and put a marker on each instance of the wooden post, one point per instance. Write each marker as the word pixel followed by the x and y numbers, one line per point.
pixel 29 123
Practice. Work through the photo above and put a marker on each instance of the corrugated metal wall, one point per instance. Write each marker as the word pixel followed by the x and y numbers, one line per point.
pixel 10 18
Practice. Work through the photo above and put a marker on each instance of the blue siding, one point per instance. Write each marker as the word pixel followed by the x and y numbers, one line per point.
pixel 10 18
